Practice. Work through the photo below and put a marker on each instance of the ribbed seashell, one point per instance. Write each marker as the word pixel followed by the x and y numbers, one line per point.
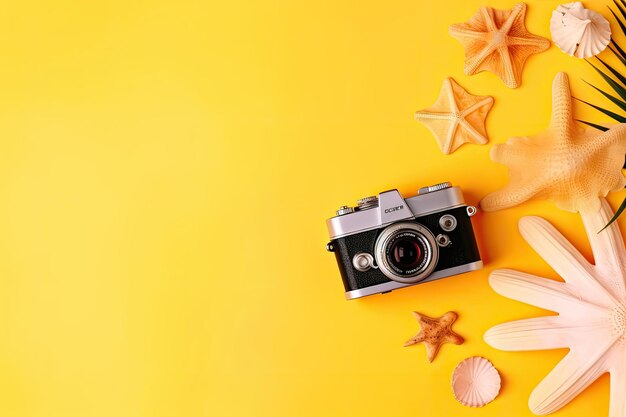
pixel 475 382
pixel 579 32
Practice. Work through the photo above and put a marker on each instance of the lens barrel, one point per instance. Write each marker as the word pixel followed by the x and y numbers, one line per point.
pixel 406 252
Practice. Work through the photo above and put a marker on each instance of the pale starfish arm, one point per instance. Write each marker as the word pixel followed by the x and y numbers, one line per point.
pixel 525 180
pixel 453 338
pixel 425 115
pixel 515 153
pixel 570 377
pixel 541 292
pixel 452 141
pixel 460 30
pixel 473 120
pixel 562 116
pixel 564 259
pixel 473 63
pixel 432 350
pixel 486 102
pixel 451 87
pixel 419 338
pixel 475 136
pixel 449 318
pixel 509 196
pixel 531 334
pixel 487 18
pixel 608 250
pixel 518 12
pixel 529 40
pixel 617 407
pixel 509 76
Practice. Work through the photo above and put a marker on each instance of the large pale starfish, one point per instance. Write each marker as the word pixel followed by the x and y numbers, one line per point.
pixel 565 163
pixel 592 311
pixel 497 41
pixel 457 117
pixel 435 332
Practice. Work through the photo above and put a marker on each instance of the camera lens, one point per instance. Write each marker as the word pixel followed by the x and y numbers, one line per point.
pixel 406 252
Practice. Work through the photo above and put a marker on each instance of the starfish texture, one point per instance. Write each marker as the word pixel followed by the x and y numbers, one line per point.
pixel 497 41
pixel 457 117
pixel 592 311
pixel 566 163
pixel 435 332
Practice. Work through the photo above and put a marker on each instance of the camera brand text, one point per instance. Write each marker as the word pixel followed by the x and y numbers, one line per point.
pixel 391 209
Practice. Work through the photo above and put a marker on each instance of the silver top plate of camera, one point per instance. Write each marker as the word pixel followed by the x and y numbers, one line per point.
pixel 390 207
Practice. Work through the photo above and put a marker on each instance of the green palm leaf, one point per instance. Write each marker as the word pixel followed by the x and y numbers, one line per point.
pixel 621 24
pixel 599 127
pixel 621 55
pixel 614 83
pixel 613 71
pixel 617 213
pixel 619 118
pixel 621 8
pixel 620 103
pixel 610 81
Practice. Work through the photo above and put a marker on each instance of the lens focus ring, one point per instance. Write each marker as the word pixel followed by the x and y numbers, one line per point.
pixel 406 252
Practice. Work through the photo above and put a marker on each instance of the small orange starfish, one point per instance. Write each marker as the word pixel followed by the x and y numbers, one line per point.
pixel 435 332
pixel 457 117
pixel 497 41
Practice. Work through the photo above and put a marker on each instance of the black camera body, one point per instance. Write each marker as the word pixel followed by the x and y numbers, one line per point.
pixel 388 242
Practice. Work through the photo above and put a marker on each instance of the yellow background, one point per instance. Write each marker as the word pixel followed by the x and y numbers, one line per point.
pixel 166 169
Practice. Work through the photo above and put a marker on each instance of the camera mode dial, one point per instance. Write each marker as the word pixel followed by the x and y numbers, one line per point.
pixel 344 210
pixel 433 188
pixel 367 202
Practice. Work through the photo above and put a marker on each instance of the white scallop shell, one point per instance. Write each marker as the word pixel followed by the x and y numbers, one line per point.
pixel 579 32
pixel 475 382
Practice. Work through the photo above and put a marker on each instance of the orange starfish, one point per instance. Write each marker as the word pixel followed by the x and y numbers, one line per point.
pixel 497 41
pixel 435 332
pixel 457 117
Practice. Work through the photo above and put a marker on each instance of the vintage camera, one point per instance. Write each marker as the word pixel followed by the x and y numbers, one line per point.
pixel 388 242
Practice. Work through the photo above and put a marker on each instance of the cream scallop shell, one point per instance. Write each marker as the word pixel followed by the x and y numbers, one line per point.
pixel 475 382
pixel 579 32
